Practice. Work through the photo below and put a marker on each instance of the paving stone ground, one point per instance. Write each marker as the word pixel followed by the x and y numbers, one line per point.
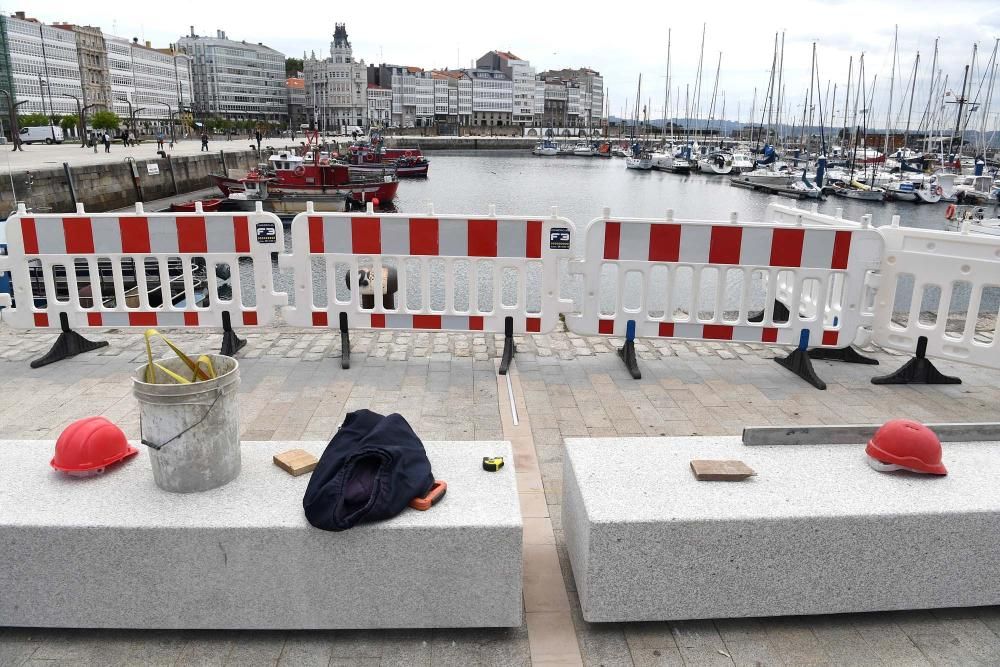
pixel 445 385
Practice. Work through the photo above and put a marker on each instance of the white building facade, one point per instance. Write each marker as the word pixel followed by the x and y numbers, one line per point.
pixel 492 97
pixel 336 87
pixel 149 83
pixel 236 80
pixel 379 107
pixel 43 66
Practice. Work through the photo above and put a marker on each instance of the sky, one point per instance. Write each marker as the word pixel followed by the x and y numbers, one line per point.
pixel 621 40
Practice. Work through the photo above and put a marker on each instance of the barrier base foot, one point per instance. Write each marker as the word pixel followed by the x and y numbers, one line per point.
pixel 345 343
pixel 69 344
pixel 231 343
pixel 799 363
pixel 627 354
pixel 918 370
pixel 846 354
pixel 508 355
pixel 508 345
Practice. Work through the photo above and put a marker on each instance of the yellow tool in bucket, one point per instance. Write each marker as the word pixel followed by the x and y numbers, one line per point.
pixel 201 369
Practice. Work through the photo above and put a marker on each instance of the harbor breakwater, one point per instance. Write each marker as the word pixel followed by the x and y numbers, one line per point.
pixel 105 187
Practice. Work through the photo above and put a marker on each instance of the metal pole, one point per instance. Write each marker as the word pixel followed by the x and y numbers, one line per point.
pixel 69 182
pixel 79 119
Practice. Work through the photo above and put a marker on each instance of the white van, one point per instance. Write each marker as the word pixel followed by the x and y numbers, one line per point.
pixel 30 135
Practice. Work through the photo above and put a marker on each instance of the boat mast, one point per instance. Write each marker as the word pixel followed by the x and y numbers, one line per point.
pixel 666 90
pixel 961 106
pixel 909 112
pixel 769 98
pixel 892 86
pixel 781 85
pixel 715 90
pixel 847 102
pixel 697 85
pixel 753 110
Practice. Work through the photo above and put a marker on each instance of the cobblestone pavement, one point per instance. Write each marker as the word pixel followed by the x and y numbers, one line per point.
pixel 445 385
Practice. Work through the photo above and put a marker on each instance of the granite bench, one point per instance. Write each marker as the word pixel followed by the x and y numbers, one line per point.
pixel 817 531
pixel 117 552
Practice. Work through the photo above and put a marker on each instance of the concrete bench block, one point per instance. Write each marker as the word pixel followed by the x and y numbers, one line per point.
pixel 817 531
pixel 117 552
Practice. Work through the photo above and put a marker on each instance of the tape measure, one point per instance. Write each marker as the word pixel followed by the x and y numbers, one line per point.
pixel 492 463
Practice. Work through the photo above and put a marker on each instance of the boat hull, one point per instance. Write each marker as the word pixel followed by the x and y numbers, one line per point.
pixel 384 191
pixel 640 164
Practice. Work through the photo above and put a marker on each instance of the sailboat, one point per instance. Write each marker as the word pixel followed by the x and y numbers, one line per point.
pixel 853 188
pixel 638 158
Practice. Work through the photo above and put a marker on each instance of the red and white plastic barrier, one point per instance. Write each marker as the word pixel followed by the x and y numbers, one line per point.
pixel 736 271
pixel 140 269
pixel 459 273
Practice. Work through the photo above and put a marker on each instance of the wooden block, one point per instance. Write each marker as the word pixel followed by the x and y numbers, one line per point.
pixel 296 462
pixel 720 470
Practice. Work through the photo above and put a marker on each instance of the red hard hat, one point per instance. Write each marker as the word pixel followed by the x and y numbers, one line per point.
pixel 908 445
pixel 89 445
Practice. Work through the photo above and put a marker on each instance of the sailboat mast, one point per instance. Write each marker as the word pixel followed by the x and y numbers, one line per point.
pixel 697 85
pixel 715 90
pixel 847 99
pixel 781 86
pixel 892 86
pixel 909 112
pixel 666 89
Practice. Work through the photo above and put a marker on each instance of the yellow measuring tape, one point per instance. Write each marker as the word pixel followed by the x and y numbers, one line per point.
pixel 201 369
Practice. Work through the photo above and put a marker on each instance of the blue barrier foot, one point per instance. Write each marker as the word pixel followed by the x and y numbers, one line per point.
pixel 69 344
pixel 846 354
pixel 345 342
pixel 508 345
pixel 231 343
pixel 918 370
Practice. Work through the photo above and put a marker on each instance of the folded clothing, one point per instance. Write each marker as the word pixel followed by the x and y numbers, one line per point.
pixel 374 466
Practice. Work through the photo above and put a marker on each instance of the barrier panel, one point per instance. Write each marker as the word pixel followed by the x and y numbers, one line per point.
pixel 140 270
pixel 722 281
pixel 939 297
pixel 432 272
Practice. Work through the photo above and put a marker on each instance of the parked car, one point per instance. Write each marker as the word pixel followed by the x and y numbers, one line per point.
pixel 49 134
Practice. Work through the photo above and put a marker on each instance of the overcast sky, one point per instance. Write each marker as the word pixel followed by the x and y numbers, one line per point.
pixel 619 39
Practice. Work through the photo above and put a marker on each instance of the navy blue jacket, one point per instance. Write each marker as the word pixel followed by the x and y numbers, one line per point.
pixel 370 471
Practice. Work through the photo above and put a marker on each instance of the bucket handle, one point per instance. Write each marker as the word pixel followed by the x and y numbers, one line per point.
pixel 218 394
pixel 198 372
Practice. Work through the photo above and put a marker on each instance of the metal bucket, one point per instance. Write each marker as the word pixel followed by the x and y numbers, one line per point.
pixel 192 430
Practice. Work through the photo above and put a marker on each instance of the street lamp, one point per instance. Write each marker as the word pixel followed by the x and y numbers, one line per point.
pixel 15 131
pixel 170 119
pixel 42 85
pixel 79 119
pixel 131 114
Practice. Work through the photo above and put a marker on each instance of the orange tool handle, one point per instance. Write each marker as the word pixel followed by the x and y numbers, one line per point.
pixel 436 493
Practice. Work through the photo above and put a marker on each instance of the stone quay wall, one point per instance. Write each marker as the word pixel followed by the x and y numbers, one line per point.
pixel 105 187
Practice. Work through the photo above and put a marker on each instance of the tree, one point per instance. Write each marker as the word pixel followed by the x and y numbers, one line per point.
pixel 293 66
pixel 69 122
pixel 33 120
pixel 105 120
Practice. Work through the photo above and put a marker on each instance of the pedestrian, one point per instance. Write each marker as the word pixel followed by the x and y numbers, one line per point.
pixel 204 141
pixel 159 140
pixel 107 142
pixel 258 137
pixel 125 138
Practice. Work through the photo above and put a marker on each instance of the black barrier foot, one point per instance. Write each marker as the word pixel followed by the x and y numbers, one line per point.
pixel 918 370
pixel 846 354
pixel 69 344
pixel 508 345
pixel 345 342
pixel 778 315
pixel 231 343
pixel 627 352
pixel 799 362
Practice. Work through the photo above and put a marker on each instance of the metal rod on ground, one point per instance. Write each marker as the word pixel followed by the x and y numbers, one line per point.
pixel 508 345
pixel 849 434
pixel 627 351
pixel 345 342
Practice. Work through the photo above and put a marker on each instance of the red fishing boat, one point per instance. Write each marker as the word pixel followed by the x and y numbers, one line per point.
pixel 365 156
pixel 311 178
